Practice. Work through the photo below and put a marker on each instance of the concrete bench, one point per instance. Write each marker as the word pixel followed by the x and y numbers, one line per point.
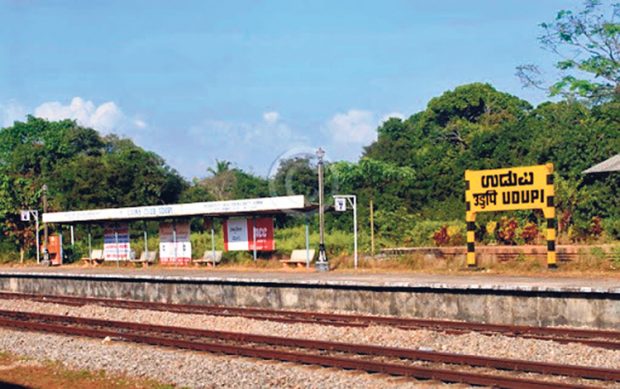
pixel 146 258
pixel 298 257
pixel 208 259
pixel 96 257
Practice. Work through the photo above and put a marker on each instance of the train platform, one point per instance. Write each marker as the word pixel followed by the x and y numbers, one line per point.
pixel 592 302
pixel 361 278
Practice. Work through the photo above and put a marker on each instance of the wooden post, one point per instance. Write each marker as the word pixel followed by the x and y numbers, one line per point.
pixel 372 230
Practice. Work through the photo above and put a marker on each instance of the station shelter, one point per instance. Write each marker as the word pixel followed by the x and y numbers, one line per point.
pixel 247 226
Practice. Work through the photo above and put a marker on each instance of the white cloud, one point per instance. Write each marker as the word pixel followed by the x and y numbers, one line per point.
pixel 354 126
pixel 271 117
pixel 10 112
pixel 106 117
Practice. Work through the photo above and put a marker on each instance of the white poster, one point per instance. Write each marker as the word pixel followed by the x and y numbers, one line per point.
pixel 236 235
pixel 116 246
pixel 175 247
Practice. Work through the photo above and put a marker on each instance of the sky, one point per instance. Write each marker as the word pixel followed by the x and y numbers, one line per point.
pixel 253 82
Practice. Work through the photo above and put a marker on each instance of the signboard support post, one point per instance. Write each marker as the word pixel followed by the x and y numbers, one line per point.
pixel 25 217
pixel 340 201
pixel 518 188
pixel 549 212
pixel 470 218
pixel 72 236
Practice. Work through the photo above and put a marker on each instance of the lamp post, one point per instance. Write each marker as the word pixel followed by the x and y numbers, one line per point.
pixel 322 263
pixel 46 255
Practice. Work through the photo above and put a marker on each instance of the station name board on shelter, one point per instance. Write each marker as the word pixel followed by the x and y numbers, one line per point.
pixel 210 208
pixel 509 189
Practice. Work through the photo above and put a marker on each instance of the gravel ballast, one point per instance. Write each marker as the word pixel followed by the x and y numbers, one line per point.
pixel 205 370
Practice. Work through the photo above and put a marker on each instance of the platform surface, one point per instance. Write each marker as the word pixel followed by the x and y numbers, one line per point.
pixel 595 284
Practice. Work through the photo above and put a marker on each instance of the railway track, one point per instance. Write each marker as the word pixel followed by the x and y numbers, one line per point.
pixel 594 338
pixel 468 369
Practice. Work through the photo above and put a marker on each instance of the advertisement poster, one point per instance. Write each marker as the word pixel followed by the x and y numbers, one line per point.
pixel 175 247
pixel 242 234
pixel 116 242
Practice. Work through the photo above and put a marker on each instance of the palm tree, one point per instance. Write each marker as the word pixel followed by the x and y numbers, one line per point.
pixel 221 167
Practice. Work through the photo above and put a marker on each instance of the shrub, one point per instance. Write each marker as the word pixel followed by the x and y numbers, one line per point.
pixel 491 230
pixel 421 234
pixel 507 231
pixel 596 228
pixel 457 235
pixel 450 235
pixel 530 233
pixel 611 226
pixel 441 237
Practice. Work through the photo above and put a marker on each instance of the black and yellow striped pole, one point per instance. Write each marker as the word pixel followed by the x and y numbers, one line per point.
pixel 471 240
pixel 549 212
pixel 470 218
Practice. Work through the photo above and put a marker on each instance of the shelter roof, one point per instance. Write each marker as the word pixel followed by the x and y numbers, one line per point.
pixel 610 165
pixel 246 207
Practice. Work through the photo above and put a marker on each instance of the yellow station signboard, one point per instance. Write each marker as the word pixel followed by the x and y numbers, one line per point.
pixel 510 189
pixel 525 187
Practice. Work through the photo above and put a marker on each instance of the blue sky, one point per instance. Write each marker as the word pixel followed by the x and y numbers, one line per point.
pixel 250 81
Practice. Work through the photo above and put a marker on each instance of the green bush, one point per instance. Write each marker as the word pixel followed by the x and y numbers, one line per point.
pixel 421 234
pixel 611 227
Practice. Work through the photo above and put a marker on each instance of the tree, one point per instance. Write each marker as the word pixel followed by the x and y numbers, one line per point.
pixel 298 176
pixel 588 46
pixel 81 169
pixel 222 181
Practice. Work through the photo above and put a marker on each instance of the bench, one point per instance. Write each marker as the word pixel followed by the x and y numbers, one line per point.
pixel 208 258
pixel 146 258
pixel 298 257
pixel 96 257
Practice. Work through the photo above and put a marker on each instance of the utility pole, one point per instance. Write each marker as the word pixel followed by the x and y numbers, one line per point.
pixel 372 230
pixel 322 264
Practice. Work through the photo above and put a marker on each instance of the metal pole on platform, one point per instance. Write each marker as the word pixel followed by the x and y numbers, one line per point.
pixel 146 242
pixel 46 253
pixel 118 256
pixel 322 263
pixel 213 241
pixel 36 226
pixel 90 247
pixel 355 230
pixel 307 242
pixel 254 236
pixel 174 241
pixel 372 230
pixel 72 236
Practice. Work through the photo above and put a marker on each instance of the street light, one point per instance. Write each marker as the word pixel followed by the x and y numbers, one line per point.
pixel 322 263
pixel 46 254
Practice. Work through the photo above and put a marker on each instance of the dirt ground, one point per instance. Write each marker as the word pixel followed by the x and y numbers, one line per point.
pixel 18 372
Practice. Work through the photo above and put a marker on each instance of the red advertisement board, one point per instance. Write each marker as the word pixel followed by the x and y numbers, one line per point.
pixel 243 234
